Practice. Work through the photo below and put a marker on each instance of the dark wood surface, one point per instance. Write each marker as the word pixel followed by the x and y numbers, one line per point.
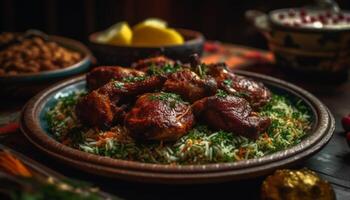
pixel 332 163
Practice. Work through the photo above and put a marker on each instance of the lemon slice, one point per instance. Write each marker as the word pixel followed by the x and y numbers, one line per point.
pixel 150 35
pixel 118 34
pixel 152 22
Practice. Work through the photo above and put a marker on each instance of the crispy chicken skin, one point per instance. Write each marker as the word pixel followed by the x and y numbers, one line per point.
pixel 156 118
pixel 99 76
pixel 254 92
pixel 189 85
pixel 160 112
pixel 101 107
pixel 230 113
pixel 145 64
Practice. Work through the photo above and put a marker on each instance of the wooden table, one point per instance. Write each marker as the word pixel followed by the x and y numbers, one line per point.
pixel 332 163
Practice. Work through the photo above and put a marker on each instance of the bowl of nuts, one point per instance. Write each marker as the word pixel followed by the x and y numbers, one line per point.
pixel 32 60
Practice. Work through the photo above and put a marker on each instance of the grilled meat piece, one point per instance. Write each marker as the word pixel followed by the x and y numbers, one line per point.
pixel 97 109
pixel 189 85
pixel 158 62
pixel 254 92
pixel 102 107
pixel 101 75
pixel 159 116
pixel 230 113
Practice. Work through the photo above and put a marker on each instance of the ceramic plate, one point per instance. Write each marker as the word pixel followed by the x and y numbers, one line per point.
pixel 35 128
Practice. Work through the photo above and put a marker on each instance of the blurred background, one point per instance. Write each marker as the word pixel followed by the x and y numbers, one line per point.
pixel 218 20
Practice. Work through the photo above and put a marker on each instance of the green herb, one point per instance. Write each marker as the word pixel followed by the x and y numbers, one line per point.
pixel 132 79
pixel 62 119
pixel 202 70
pixel 166 69
pixel 228 82
pixel 118 84
pixel 221 93
pixel 241 94
pixel 171 98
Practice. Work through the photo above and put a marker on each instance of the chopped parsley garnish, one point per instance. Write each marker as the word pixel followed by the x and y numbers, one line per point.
pixel 170 98
pixel 202 70
pixel 166 69
pixel 132 79
pixel 221 93
pixel 165 96
pixel 119 85
pixel 241 94
pixel 228 82
pixel 64 122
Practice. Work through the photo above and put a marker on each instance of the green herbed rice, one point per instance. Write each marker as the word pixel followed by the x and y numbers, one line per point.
pixel 290 123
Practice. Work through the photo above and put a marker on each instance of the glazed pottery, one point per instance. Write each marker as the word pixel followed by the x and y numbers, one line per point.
pixel 35 128
pixel 26 85
pixel 125 55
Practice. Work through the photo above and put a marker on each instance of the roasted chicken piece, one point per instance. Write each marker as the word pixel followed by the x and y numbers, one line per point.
pixel 99 76
pixel 157 62
pixel 159 116
pixel 189 85
pixel 230 113
pixel 102 107
pixel 254 92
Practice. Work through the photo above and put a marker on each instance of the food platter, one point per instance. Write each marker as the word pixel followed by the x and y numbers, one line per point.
pixel 34 128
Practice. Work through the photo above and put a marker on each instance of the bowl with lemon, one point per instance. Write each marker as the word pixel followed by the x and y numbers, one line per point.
pixel 121 44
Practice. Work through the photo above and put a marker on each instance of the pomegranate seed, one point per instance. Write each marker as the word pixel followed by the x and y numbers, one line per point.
pixel 335 21
pixel 313 19
pixel 348 138
pixel 321 17
pixel 328 14
pixel 304 21
pixel 340 16
pixel 291 13
pixel 296 24
pixel 345 121
pixel 281 16
pixel 302 12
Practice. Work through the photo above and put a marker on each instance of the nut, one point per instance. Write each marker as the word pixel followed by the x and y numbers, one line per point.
pixel 34 55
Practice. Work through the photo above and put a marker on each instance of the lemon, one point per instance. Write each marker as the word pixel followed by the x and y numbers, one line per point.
pixel 118 34
pixel 152 22
pixel 154 34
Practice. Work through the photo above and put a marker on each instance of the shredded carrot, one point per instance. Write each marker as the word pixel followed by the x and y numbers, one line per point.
pixel 109 134
pixel 12 165
pixel 242 151
pixel 266 137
